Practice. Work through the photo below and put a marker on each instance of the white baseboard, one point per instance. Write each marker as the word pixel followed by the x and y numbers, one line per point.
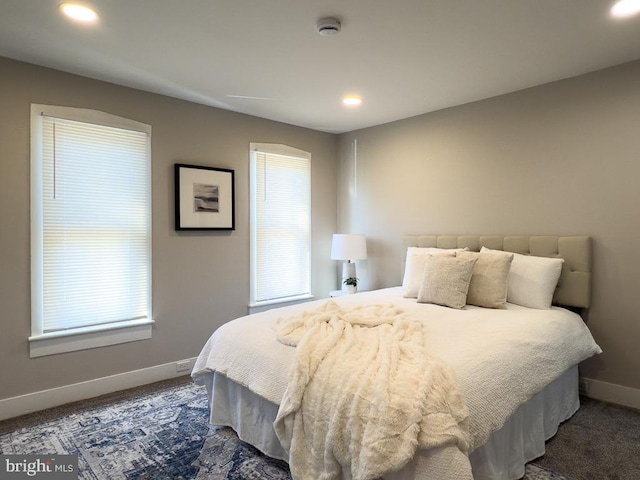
pixel 610 392
pixel 33 402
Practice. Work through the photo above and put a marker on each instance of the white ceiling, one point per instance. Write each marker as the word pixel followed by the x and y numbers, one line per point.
pixel 404 57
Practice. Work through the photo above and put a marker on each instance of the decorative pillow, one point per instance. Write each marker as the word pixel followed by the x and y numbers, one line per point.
pixel 445 280
pixel 489 279
pixel 532 280
pixel 414 267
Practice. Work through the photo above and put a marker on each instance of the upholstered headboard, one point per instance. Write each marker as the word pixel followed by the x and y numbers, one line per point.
pixel 574 286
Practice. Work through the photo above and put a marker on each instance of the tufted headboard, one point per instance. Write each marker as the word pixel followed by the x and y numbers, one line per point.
pixel 574 286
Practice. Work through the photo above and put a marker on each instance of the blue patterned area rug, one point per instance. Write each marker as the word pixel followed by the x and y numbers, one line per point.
pixel 159 436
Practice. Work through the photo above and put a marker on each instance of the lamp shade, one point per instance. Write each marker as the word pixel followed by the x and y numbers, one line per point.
pixel 348 246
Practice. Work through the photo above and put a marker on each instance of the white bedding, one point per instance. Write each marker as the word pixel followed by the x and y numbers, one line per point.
pixel 500 358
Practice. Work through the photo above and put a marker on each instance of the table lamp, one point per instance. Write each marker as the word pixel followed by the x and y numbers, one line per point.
pixel 348 247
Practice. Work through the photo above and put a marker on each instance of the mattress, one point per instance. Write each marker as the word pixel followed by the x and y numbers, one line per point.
pixel 502 360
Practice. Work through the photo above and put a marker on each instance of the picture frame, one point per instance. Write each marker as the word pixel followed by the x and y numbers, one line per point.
pixel 204 198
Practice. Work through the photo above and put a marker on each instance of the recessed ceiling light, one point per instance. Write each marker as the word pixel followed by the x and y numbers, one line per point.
pixel 625 8
pixel 352 100
pixel 79 12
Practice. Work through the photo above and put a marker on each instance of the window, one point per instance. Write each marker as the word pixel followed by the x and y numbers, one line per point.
pixel 90 230
pixel 280 224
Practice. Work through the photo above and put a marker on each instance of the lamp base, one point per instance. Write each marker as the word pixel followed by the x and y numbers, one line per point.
pixel 348 271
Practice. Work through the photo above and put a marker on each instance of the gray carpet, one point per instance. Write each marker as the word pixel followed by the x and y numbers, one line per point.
pixel 600 442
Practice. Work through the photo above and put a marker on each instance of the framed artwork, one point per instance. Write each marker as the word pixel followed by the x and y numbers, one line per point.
pixel 205 198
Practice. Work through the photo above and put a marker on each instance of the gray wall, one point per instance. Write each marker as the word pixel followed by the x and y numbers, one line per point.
pixel 200 280
pixel 558 159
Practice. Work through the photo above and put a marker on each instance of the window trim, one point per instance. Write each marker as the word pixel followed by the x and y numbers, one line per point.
pixel 40 343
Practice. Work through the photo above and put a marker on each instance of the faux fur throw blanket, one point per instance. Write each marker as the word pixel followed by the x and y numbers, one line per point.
pixel 363 394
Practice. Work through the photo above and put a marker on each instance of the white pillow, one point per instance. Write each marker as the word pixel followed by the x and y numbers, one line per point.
pixel 532 280
pixel 414 266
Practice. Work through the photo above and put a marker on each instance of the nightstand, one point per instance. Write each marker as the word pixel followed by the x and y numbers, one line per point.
pixel 342 293
pixel 337 293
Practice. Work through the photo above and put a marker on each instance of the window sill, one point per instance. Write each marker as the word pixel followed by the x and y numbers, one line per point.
pixel 280 302
pixel 89 337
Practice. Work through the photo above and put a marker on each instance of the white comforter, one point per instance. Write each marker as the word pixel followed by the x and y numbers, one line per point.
pixel 500 358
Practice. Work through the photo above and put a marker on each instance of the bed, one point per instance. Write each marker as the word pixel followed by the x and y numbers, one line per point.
pixel 515 367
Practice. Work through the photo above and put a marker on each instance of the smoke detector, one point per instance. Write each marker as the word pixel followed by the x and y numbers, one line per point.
pixel 328 26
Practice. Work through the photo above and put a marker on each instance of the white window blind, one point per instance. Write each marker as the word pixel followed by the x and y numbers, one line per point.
pixel 94 263
pixel 281 223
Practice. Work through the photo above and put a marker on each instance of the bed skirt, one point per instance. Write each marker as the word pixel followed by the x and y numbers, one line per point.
pixel 503 457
